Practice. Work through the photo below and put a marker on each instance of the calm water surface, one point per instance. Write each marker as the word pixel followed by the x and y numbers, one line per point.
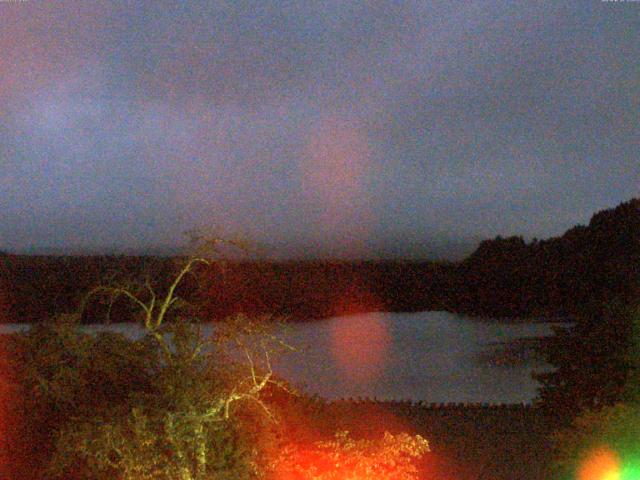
pixel 429 356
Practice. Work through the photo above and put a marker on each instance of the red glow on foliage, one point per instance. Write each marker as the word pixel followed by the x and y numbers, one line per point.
pixel 345 457
pixel 303 459
pixel 6 396
pixel 378 444
pixel 600 464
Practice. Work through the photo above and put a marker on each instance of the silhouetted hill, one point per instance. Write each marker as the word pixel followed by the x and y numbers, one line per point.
pixel 503 277
pixel 558 276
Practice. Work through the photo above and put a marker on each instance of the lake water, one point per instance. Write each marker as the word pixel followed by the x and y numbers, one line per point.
pixel 429 356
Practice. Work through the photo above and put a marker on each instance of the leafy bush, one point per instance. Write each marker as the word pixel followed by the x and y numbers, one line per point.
pixel 343 458
pixel 108 407
pixel 171 405
pixel 606 438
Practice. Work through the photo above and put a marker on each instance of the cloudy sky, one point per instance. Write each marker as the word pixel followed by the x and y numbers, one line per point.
pixel 336 127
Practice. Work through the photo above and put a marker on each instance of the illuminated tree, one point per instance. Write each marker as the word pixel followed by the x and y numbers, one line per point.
pixel 168 405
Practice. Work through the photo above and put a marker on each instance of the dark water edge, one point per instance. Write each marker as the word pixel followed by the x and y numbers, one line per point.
pixel 428 356
pixel 515 352
pixel 468 441
pixel 38 287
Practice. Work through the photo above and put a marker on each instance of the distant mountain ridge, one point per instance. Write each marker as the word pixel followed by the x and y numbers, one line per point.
pixel 433 249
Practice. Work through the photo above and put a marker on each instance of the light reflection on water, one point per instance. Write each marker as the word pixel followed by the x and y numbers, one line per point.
pixel 429 356
pixel 432 356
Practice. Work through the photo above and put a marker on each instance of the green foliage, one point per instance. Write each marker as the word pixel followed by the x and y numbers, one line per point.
pixel 591 359
pixel 631 392
pixel 613 427
pixel 171 405
pixel 115 408
pixel 64 374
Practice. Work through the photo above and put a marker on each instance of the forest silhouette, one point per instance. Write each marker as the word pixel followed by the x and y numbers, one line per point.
pixel 504 277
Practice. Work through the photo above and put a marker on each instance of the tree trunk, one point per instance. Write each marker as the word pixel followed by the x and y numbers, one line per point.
pixel 201 452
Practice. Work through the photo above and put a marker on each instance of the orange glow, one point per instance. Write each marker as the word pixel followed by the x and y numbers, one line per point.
pixel 387 457
pixel 359 344
pixel 335 176
pixel 344 441
pixel 600 464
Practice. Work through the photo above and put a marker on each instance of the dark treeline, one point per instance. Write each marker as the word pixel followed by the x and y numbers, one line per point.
pixel 563 276
pixel 504 277
pixel 31 287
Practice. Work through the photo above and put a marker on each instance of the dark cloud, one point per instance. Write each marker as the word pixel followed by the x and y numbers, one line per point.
pixel 343 125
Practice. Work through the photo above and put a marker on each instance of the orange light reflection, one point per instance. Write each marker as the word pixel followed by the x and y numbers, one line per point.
pixel 600 464
pixel 360 339
pixel 335 172
pixel 359 345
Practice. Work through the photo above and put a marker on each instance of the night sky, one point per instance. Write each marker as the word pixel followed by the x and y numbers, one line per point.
pixel 315 128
